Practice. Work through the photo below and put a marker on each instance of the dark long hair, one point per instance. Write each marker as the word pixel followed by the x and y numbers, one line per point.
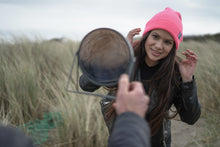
pixel 162 81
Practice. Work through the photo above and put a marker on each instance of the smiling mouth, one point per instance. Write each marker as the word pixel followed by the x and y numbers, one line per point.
pixel 155 53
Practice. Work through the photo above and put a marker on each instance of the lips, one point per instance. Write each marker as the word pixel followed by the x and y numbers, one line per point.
pixel 155 53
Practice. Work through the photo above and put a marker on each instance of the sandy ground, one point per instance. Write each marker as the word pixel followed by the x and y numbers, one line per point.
pixel 184 135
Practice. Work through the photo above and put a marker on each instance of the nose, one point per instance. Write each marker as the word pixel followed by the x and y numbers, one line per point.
pixel 159 44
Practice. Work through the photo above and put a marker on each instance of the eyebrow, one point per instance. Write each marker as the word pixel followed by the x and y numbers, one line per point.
pixel 155 33
pixel 170 40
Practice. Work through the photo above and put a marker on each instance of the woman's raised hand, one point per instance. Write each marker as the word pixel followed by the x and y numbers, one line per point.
pixel 187 66
pixel 132 33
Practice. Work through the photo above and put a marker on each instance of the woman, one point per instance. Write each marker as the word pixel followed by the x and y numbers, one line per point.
pixel 167 79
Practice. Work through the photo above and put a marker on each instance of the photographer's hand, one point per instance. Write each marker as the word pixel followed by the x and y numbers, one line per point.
pixel 131 97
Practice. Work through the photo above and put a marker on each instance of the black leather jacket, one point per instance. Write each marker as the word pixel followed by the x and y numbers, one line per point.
pixel 185 100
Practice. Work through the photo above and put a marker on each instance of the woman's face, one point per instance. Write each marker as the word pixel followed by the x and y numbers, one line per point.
pixel 157 46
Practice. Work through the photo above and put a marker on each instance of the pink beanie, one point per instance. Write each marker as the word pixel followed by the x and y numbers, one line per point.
pixel 168 20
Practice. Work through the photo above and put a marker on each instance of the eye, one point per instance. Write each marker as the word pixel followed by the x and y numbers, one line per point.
pixel 155 36
pixel 168 42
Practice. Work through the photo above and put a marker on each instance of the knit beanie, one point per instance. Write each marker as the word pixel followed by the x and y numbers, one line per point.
pixel 168 20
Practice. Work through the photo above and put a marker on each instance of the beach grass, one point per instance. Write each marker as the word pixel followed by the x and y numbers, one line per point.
pixel 33 78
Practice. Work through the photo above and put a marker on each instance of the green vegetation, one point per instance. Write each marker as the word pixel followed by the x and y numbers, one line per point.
pixel 202 38
pixel 33 76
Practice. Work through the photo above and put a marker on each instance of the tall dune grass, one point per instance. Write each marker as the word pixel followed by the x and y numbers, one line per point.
pixel 33 79
pixel 207 73
pixel 33 76
pixel 208 77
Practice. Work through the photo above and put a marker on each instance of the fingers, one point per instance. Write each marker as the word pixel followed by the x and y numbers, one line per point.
pixel 131 97
pixel 135 31
pixel 136 86
pixel 190 55
pixel 114 105
pixel 139 92
pixel 131 35
pixel 123 84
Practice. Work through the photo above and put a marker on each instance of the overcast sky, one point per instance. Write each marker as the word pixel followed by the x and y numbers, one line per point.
pixel 75 18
